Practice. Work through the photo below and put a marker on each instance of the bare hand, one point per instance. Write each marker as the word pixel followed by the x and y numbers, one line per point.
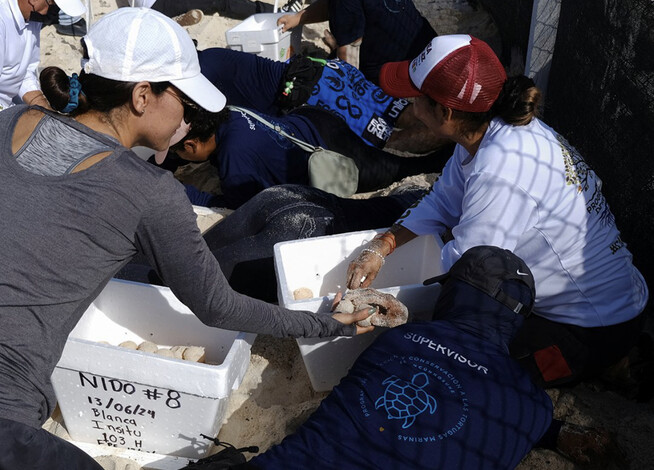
pixel 289 21
pixel 350 318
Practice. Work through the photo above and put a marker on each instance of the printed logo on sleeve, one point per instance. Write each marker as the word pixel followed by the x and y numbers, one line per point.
pixel 377 131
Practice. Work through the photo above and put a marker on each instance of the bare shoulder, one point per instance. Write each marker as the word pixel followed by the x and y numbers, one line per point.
pixel 26 124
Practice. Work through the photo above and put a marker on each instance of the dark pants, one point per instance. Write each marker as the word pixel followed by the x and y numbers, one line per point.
pixel 236 9
pixel 377 168
pixel 23 447
pixel 556 354
pixel 243 242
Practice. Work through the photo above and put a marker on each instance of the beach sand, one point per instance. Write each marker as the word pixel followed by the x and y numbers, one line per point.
pixel 275 396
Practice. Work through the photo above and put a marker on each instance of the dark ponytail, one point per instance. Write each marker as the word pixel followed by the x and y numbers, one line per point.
pixel 518 102
pixel 55 85
pixel 98 93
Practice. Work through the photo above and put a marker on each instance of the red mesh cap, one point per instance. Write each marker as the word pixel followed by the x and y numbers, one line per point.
pixel 458 71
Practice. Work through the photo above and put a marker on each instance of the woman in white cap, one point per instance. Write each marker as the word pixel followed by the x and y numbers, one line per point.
pixel 515 183
pixel 78 204
pixel 20 51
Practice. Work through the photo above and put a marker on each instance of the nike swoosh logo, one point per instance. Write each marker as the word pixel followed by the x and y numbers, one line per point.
pixel 521 274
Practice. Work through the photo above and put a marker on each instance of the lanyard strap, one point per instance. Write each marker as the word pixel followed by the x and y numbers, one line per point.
pixel 300 143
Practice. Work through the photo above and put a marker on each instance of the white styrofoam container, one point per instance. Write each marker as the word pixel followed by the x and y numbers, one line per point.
pixel 135 400
pixel 321 263
pixel 260 35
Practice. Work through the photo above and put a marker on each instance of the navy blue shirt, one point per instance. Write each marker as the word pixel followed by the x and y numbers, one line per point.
pixel 424 395
pixel 252 82
pixel 392 30
pixel 246 80
pixel 250 156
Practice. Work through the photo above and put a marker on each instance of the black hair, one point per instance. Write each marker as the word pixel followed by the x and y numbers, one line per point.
pixel 517 104
pixel 98 93
pixel 203 126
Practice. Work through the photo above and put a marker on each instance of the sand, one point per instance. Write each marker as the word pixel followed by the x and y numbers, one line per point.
pixel 275 396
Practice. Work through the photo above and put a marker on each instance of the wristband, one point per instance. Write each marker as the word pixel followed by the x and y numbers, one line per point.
pixel 388 238
pixel 374 252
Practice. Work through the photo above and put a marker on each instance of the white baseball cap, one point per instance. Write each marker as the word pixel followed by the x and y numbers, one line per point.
pixel 139 44
pixel 71 7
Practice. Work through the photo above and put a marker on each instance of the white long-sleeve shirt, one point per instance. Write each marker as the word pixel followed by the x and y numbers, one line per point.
pixel 19 54
pixel 529 191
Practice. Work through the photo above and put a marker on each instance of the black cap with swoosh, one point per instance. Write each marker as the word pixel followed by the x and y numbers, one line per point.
pixel 486 268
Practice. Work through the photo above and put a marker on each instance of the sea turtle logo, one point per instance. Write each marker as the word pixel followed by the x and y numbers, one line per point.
pixel 404 400
pixel 395 6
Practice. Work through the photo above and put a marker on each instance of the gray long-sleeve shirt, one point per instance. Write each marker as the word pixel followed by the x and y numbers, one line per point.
pixel 64 237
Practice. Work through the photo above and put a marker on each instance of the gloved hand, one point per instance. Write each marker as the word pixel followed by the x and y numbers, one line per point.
pixel 363 270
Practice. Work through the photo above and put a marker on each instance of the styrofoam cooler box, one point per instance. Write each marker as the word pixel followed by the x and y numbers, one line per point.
pixel 142 401
pixel 260 35
pixel 321 263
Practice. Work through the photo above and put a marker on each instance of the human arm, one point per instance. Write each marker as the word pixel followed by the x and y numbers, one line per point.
pixel 495 211
pixel 432 214
pixel 36 98
pixel 364 269
pixel 169 238
pixel 203 198
pixel 30 89
pixel 4 101
pixel 347 23
pixel 317 12
pixel 350 52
